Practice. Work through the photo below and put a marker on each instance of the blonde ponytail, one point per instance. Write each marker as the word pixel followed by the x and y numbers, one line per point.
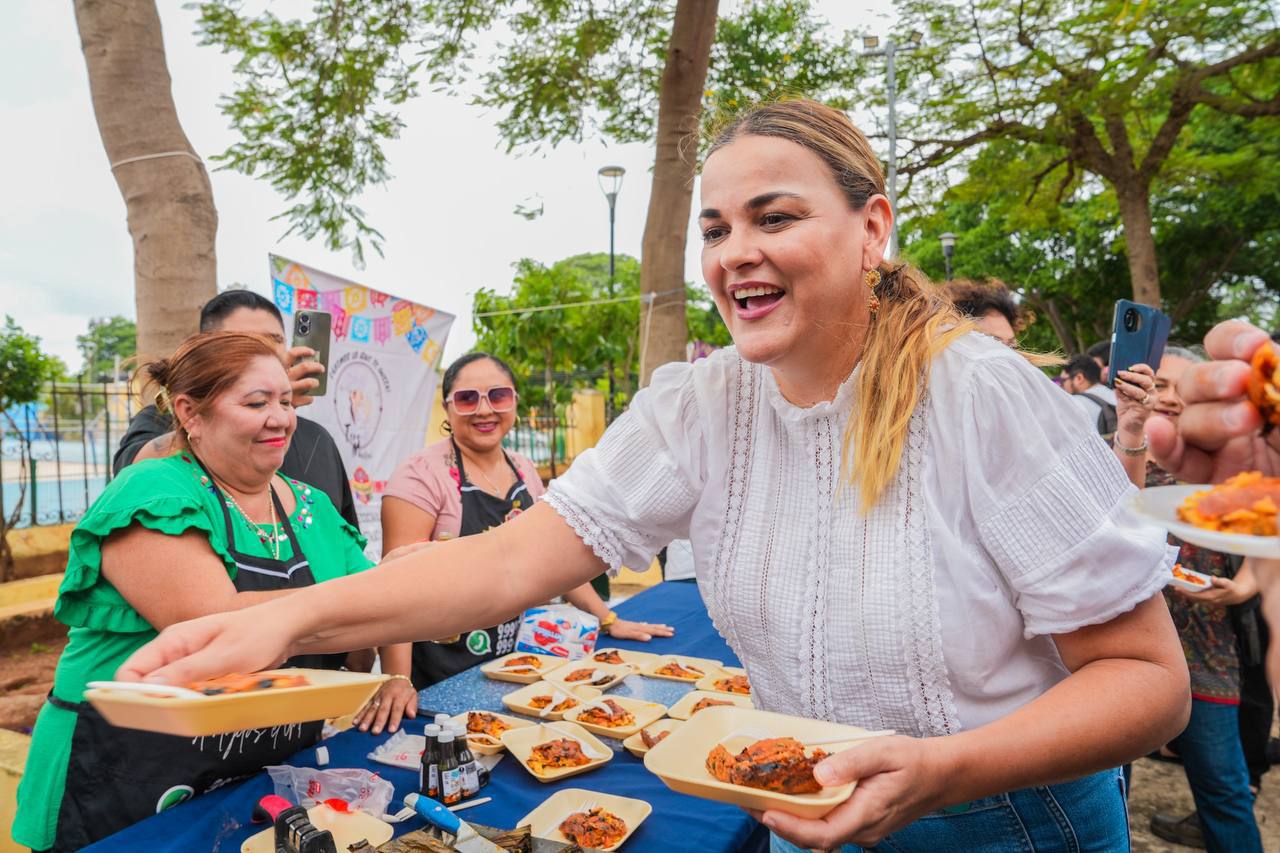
pixel 915 322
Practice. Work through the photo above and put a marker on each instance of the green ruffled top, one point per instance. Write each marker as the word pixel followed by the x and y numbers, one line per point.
pixel 173 496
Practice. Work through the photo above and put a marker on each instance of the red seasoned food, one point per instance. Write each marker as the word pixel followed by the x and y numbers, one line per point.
pixel 481 723
pixel 774 764
pixel 596 828
pixel 241 683
pixel 1246 503
pixel 1182 575
pixel 584 674
pixel 708 702
pixel 733 684
pixel 541 702
pixel 615 717
pixel 652 740
pixel 610 656
pixel 529 661
pixel 675 670
pixel 557 753
pixel 1264 385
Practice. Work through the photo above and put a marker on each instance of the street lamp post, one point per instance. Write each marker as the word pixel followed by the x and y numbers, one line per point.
pixel 871 47
pixel 948 241
pixel 610 179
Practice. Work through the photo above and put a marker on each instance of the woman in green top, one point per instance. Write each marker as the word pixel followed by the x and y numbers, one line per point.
pixel 212 528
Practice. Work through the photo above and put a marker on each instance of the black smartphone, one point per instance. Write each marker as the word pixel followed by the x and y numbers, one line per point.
pixel 311 329
pixel 1138 335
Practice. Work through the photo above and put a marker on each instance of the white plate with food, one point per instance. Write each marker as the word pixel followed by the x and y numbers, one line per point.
pixel 650 736
pixel 639 660
pixel 521 667
pixel 682 668
pixel 618 717
pixel 485 728
pixel 697 701
pixel 590 819
pixel 234 702
pixel 555 751
pixel 585 673
pixel 548 700
pixel 1232 506
pixel 731 754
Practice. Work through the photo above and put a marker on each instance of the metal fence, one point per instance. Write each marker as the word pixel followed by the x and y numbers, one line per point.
pixel 73 429
pixel 71 432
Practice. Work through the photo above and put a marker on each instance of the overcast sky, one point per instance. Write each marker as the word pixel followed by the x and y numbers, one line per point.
pixel 447 214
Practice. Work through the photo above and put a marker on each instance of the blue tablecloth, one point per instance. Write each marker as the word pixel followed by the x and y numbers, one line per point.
pixel 219 821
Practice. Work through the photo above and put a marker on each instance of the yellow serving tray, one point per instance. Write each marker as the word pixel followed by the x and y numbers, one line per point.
pixel 329 694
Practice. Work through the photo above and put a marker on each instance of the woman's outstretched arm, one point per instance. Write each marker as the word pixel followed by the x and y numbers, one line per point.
pixel 439 591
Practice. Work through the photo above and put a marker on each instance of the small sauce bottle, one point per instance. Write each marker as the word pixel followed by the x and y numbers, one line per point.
pixel 450 772
pixel 429 777
pixel 466 761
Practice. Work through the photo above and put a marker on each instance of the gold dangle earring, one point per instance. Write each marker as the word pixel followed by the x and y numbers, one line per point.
pixel 872 278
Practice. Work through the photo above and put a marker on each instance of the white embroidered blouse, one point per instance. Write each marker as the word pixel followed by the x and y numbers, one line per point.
pixel 929 615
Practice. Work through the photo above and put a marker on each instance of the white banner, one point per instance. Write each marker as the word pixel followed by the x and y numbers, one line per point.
pixel 382 377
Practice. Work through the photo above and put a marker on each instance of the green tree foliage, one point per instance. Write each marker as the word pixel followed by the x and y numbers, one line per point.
pixel 560 350
pixel 1096 94
pixel 108 343
pixel 23 367
pixel 316 99
pixel 1216 234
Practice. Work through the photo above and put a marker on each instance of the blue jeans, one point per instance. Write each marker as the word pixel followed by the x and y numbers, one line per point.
pixel 1088 814
pixel 1219 777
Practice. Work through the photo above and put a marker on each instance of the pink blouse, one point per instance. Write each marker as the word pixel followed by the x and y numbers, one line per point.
pixel 430 481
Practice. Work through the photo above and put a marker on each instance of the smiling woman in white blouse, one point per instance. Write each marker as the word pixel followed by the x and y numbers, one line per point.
pixel 896 523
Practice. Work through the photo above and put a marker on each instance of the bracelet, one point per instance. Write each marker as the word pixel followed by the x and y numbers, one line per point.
pixel 608 620
pixel 402 677
pixel 1130 451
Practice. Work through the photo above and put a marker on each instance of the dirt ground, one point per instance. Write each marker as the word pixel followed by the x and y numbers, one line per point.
pixel 26 674
pixel 1162 787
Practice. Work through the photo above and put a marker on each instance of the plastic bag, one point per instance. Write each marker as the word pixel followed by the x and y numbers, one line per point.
pixel 308 786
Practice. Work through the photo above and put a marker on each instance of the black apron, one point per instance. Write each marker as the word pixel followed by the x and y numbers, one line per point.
pixel 434 662
pixel 117 777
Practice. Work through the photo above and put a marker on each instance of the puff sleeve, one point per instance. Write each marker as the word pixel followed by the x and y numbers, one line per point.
pixel 635 491
pixel 1048 499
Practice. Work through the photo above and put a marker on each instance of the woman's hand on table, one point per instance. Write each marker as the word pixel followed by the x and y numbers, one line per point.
pixel 1219 432
pixel 395 700
pixel 899 779
pixel 625 629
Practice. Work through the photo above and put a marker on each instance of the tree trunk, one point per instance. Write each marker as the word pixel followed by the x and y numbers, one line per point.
pixel 664 330
pixel 1135 213
pixel 168 199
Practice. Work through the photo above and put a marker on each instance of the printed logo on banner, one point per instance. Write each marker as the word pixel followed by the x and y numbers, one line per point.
pixel 382 354
pixel 357 398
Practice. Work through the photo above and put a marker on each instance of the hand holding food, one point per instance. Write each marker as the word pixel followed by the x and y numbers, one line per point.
pixel 1220 432
pixel 899 779
pixel 247 640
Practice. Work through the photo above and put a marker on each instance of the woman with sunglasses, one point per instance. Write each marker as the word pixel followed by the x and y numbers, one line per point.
pixel 461 486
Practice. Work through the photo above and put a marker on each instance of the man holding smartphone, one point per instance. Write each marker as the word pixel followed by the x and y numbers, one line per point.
pixel 313 456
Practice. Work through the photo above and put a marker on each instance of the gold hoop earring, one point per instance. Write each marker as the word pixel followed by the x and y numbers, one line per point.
pixel 872 279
